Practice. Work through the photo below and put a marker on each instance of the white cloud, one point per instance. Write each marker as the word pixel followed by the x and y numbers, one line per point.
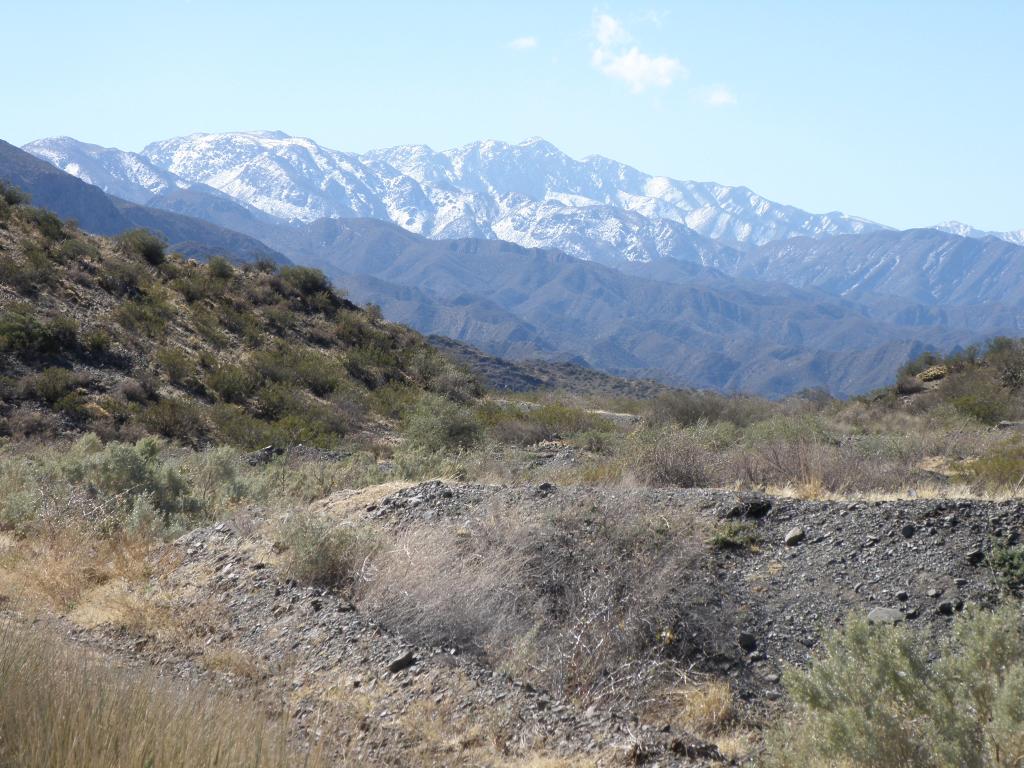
pixel 523 43
pixel 719 96
pixel 608 31
pixel 631 65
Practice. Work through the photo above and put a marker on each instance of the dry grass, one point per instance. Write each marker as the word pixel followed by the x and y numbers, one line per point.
pixel 55 571
pixel 707 709
pixel 63 708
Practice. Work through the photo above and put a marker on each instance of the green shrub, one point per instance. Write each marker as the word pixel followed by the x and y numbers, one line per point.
pixel 734 534
pixel 873 698
pixel 145 244
pixel 75 249
pixel 233 383
pixel 276 400
pixel 176 364
pixel 305 280
pixel 22 334
pixel 49 225
pixel 318 552
pixel 98 342
pixel 147 314
pixel 438 425
pixel 52 384
pixel 61 335
pixel 220 268
pixel 320 373
pixel 194 286
pixel 1008 563
pixel 175 418
pixel 35 270
pixel 999 467
pixel 13 196
pixel 121 278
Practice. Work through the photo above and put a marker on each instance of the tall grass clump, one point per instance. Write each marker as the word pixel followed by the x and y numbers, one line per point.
pixel 64 708
pixel 874 698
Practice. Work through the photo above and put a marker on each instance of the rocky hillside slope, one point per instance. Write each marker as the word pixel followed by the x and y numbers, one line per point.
pixel 770 577
pixel 120 337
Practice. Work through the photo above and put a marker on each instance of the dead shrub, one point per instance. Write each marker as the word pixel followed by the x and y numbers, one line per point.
pixel 577 600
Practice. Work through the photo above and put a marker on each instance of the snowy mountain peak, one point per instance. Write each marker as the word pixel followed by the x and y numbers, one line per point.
pixel 529 192
pixel 966 230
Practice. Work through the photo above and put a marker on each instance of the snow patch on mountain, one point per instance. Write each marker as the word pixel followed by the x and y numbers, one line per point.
pixel 966 230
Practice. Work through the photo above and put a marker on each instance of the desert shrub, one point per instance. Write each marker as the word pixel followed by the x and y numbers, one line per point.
pixel 734 534
pixel 437 425
pixel 139 390
pixel 194 286
pixel 317 551
pixel 999 467
pixel 144 244
pixel 872 697
pixel 13 195
pixel 36 269
pixel 75 249
pixel 61 335
pixel 689 407
pixel 22 334
pixel 671 456
pixel 394 399
pixel 524 425
pixel 1008 564
pixel 120 277
pixel 438 374
pixel 278 399
pixel 128 480
pixel 233 383
pixel 232 425
pixel 177 364
pixel 309 283
pixel 48 224
pixel 147 314
pixel 28 421
pixel 51 384
pixel 1006 356
pixel 320 373
pixel 175 418
pixel 568 598
pixel 220 268
pixel 977 393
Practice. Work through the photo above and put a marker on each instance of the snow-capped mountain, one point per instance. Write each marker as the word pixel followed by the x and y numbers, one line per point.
pixel 966 230
pixel 127 175
pixel 529 193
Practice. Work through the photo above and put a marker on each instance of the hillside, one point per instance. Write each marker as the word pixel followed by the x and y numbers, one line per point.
pixel 120 337
pixel 567 377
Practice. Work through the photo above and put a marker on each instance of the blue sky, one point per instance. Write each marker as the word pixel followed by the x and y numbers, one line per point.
pixel 908 113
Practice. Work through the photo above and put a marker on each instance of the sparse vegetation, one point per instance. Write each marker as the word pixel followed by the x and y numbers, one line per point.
pixel 144 396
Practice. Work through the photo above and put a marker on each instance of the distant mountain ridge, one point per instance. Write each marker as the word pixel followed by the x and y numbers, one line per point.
pixel 841 311
pixel 529 193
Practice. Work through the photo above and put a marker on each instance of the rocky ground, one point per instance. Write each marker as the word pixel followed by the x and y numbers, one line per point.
pixel 372 697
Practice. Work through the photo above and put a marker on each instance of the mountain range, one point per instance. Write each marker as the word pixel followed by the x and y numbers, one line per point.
pixel 525 252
